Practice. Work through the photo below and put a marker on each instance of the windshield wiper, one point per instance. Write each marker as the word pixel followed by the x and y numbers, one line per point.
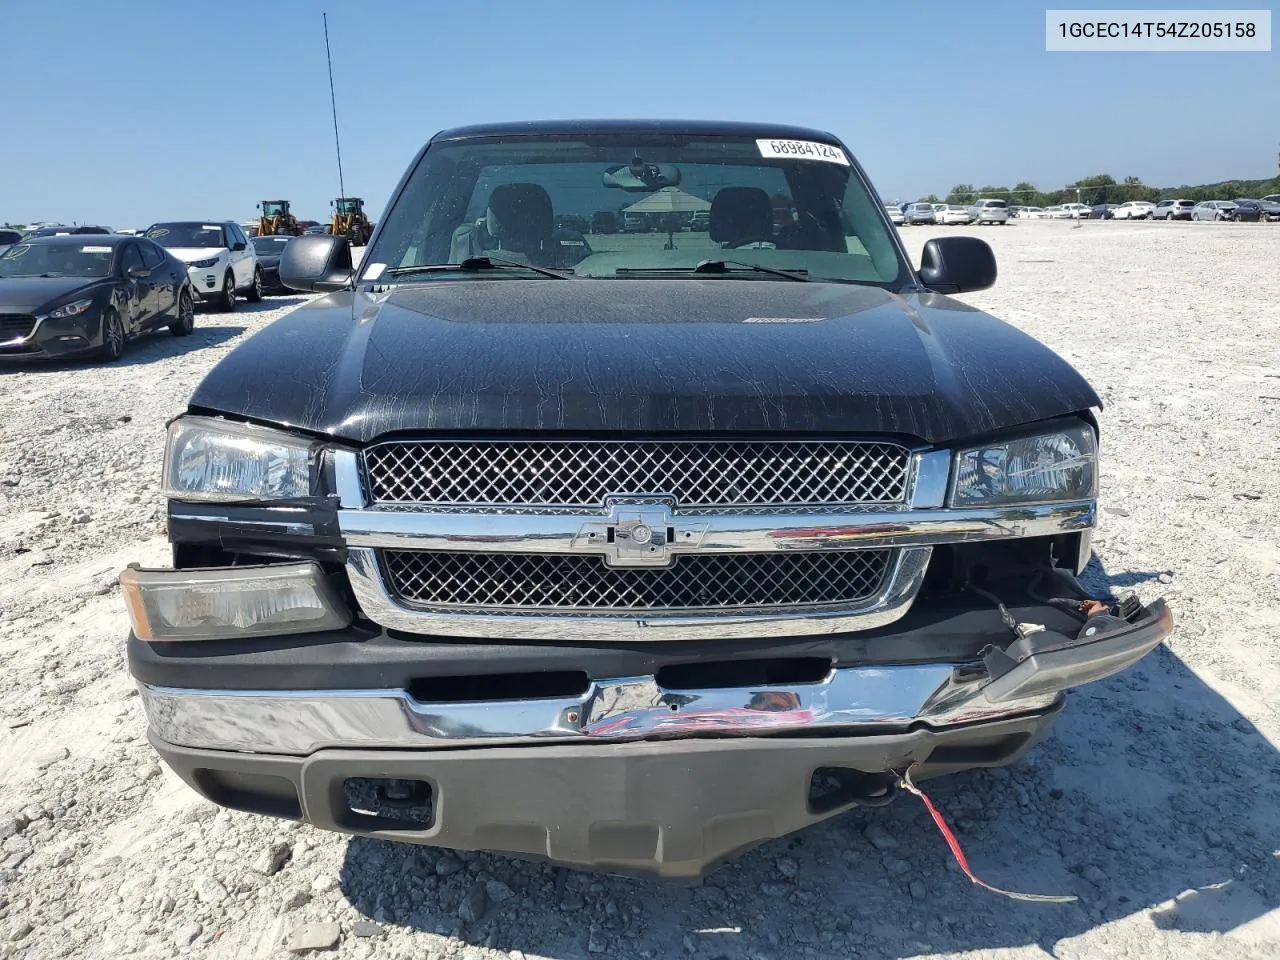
pixel 486 262
pixel 722 266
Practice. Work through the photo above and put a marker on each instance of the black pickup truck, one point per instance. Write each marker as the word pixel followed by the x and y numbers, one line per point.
pixel 625 550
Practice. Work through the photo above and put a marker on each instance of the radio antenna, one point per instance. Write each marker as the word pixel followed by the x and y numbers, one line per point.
pixel 333 100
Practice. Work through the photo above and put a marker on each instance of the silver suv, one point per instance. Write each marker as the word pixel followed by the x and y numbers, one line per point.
pixel 989 211
pixel 1173 210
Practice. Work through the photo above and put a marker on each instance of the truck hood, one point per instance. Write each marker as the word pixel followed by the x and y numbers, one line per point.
pixel 646 356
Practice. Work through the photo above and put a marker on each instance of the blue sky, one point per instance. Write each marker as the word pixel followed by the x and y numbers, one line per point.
pixel 154 109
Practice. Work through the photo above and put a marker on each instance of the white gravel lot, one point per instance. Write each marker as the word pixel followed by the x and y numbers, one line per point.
pixel 1156 801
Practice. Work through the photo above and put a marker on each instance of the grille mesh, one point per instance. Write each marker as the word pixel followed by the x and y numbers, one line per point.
pixel 16 325
pixel 582 473
pixel 545 583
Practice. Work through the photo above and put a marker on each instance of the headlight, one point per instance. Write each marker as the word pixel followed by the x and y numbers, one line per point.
pixel 71 309
pixel 208 459
pixel 205 264
pixel 1051 467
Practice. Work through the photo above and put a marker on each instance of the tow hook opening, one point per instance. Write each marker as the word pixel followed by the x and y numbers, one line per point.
pixel 832 788
pixel 388 803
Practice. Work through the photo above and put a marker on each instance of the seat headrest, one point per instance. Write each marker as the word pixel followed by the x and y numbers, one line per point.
pixel 519 213
pixel 741 213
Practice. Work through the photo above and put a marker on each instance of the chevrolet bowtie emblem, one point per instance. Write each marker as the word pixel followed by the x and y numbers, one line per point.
pixel 640 532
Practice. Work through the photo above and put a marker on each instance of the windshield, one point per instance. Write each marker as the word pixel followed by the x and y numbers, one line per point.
pixel 272 208
pixel 78 259
pixel 614 206
pixel 270 246
pixel 177 235
pixel 348 206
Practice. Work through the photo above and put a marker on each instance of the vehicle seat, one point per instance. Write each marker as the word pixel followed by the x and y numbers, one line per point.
pixel 741 215
pixel 519 224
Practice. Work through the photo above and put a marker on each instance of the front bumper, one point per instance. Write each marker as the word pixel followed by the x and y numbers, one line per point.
pixel 1026 677
pixel 207 282
pixel 55 339
pixel 632 774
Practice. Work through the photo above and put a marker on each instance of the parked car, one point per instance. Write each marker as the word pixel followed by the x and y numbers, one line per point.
pixel 1032 213
pixel 1213 210
pixel 8 238
pixel 1270 208
pixel 1134 210
pixel 989 211
pixel 920 212
pixel 896 214
pixel 1173 210
pixel 65 231
pixel 66 296
pixel 952 213
pixel 1249 211
pixel 220 259
pixel 1102 211
pixel 268 250
pixel 606 222
pixel 1057 212
pixel 449 588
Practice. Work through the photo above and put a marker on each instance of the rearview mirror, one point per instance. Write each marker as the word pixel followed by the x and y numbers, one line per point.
pixel 957 265
pixel 641 177
pixel 316 263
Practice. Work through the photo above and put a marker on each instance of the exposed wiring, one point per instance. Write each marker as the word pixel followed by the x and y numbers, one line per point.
pixel 904 780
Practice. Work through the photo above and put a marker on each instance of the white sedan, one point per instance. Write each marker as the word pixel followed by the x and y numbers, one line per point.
pixel 895 214
pixel 952 213
pixel 1134 210
pixel 1075 211
pixel 1032 213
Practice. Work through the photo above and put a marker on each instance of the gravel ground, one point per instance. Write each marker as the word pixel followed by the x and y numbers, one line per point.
pixel 1156 801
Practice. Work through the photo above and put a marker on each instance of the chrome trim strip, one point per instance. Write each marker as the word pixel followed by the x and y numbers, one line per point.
pixel 867 699
pixel 890 603
pixel 927 479
pixel 296 529
pixel 35 328
pixel 346 474
pixel 540 533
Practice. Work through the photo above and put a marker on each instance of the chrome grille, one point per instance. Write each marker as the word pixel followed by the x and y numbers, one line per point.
pixel 488 582
pixel 581 474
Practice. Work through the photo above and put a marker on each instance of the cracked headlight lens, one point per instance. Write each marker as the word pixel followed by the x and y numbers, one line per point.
pixel 219 460
pixel 1050 467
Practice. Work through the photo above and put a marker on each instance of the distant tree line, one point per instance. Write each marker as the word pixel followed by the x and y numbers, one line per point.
pixel 1104 188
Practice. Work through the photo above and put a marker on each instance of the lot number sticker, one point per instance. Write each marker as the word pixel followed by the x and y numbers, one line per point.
pixel 802 150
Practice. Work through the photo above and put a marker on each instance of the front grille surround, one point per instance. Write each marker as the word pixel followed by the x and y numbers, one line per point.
pixel 584 475
pixel 776 582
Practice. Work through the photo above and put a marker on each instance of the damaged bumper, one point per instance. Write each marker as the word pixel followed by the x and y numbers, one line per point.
pixel 631 774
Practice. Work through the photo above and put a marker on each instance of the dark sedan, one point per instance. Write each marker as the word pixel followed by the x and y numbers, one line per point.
pixel 66 296
pixel 269 249
pixel 65 231
pixel 1255 211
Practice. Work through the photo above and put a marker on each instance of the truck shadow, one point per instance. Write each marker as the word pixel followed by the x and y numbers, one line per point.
pixel 1151 787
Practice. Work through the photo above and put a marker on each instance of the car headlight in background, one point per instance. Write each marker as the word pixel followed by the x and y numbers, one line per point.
pixel 204 264
pixel 219 460
pixel 71 309
pixel 1049 467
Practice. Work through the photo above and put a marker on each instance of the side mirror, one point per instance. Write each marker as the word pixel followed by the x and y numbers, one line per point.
pixel 316 263
pixel 957 265
pixel 139 273
pixel 237 246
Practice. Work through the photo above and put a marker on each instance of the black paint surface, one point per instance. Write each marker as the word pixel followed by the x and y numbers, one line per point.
pixel 642 356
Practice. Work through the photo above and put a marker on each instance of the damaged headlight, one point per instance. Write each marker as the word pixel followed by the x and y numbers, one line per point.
pixel 1050 467
pixel 218 460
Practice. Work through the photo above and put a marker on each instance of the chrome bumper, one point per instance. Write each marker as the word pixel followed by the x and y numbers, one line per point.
pixel 848 700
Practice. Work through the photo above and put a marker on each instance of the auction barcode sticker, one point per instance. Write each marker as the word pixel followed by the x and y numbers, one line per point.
pixel 1125 31
pixel 802 150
